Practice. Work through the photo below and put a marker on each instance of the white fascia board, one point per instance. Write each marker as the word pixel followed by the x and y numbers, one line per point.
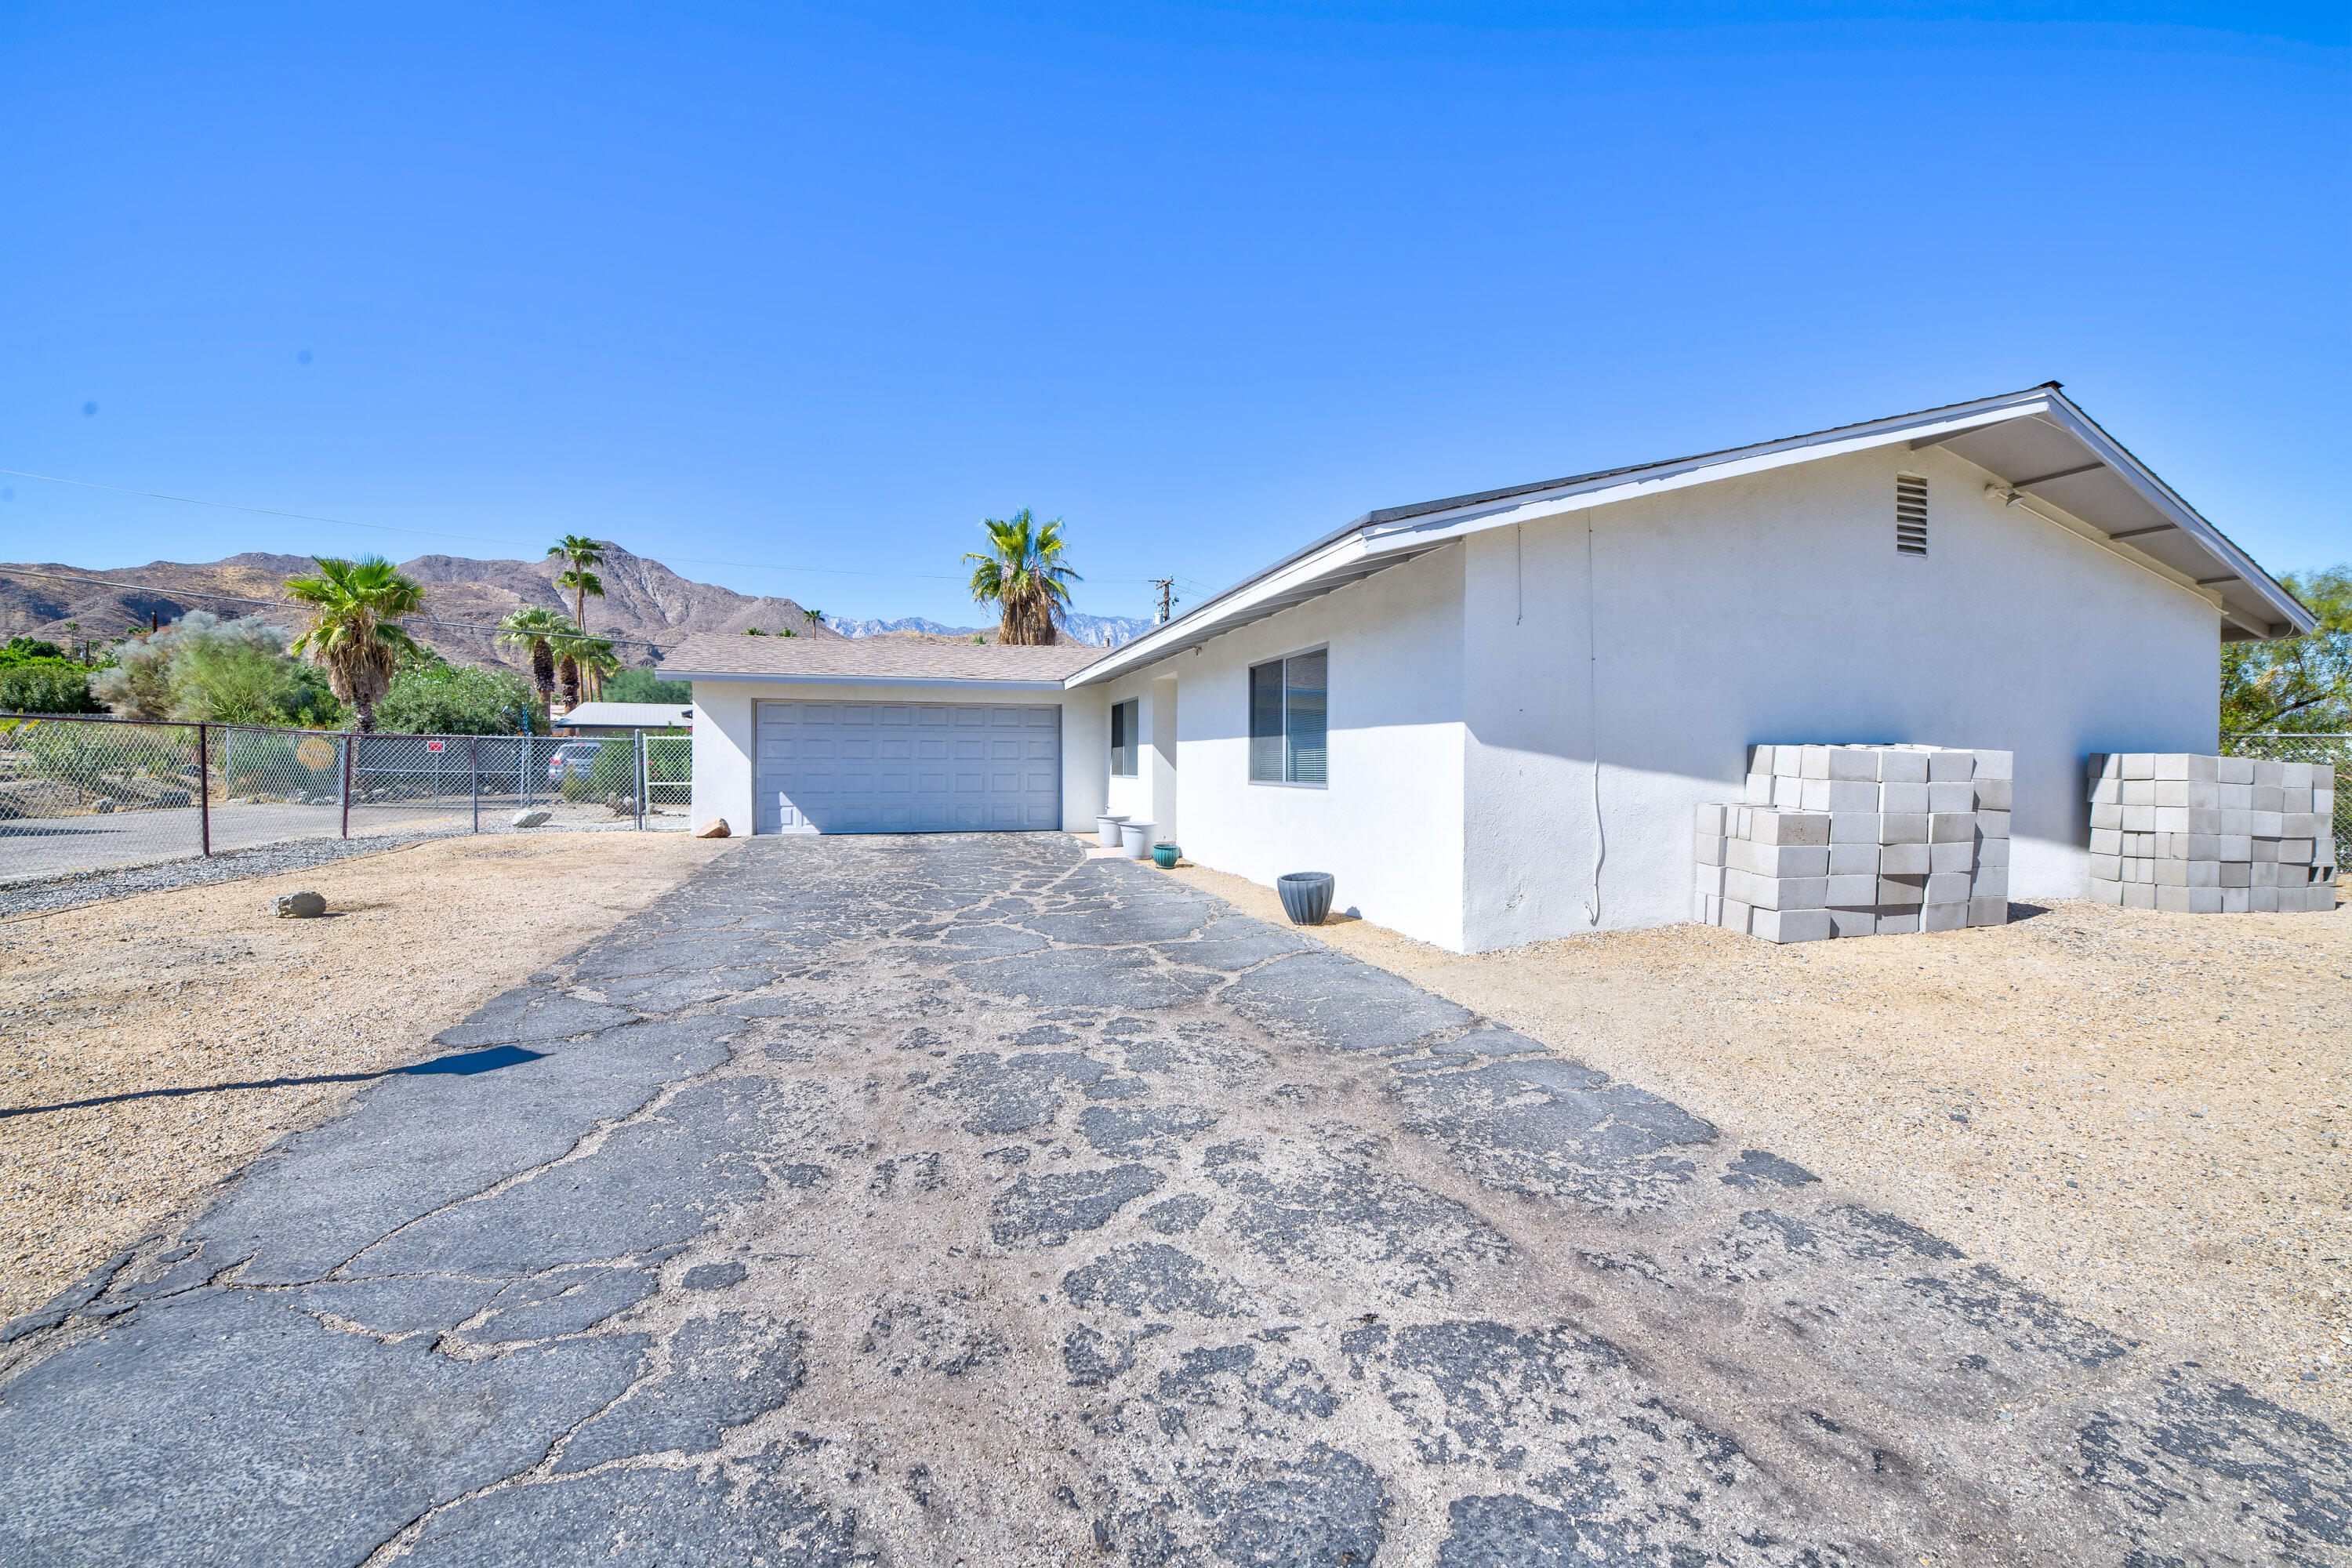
pixel 1609 490
pixel 975 683
pixel 2183 516
pixel 1238 605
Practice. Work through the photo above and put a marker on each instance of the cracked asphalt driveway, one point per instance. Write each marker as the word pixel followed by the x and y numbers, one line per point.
pixel 959 1200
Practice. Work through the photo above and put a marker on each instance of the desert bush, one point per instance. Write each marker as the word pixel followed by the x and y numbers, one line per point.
pixel 202 667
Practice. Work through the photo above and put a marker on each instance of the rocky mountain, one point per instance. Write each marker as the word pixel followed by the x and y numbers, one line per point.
pixel 644 600
pixel 1095 631
pixel 465 598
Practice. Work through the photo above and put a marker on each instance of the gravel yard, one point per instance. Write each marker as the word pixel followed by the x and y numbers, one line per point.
pixel 2142 1114
pixel 192 985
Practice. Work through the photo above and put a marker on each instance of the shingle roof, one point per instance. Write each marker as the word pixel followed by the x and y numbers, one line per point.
pixel 712 654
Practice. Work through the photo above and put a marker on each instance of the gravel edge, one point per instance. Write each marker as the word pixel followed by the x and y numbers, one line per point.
pixel 76 888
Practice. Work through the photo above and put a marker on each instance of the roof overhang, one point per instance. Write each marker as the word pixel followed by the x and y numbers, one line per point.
pixel 2035 445
pixel 967 683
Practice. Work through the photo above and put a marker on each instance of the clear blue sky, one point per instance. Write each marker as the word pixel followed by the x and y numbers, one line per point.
pixel 806 288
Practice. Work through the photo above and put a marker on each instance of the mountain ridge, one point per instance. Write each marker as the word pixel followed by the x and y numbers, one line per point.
pixel 644 600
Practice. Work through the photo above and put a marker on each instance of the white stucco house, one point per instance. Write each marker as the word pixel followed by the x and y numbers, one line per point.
pixel 1491 716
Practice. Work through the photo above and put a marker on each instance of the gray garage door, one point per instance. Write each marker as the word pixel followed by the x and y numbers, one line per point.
pixel 906 767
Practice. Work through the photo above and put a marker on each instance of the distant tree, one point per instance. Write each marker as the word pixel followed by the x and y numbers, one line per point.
pixel 2295 683
pixel 355 634
pixel 815 618
pixel 21 650
pixel 45 686
pixel 1022 573
pixel 445 698
pixel 581 553
pixel 645 686
pixel 535 628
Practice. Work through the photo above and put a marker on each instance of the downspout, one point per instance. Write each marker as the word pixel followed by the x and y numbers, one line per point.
pixel 1592 697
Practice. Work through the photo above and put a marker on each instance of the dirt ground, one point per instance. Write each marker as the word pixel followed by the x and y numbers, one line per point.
pixel 2141 1115
pixel 197 987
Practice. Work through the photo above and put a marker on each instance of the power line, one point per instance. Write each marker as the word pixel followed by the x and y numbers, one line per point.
pixel 273 604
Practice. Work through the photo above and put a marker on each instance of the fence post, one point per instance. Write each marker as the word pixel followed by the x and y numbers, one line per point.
pixel 474 775
pixel 204 790
pixel 522 769
pixel 350 743
pixel 642 775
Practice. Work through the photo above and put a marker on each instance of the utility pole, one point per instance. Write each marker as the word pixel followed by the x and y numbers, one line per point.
pixel 1167 596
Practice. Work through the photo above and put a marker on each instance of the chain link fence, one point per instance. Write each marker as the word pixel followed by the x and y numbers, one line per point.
pixel 2334 751
pixel 88 794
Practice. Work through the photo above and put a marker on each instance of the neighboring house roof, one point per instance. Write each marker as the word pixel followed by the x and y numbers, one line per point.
pixel 630 715
pixel 2036 444
pixel 873 661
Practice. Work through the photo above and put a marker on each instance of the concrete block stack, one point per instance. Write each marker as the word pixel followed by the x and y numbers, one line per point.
pixel 1858 841
pixel 2203 836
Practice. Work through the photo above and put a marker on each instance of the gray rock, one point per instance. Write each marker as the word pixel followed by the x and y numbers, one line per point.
pixel 535 818
pixel 299 907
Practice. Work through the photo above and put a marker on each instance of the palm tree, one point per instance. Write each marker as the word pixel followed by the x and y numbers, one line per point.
pixel 355 634
pixel 536 627
pixel 1022 573
pixel 581 554
pixel 579 658
pixel 597 660
pixel 814 617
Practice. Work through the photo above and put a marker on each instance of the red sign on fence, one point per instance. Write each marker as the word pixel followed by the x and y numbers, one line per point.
pixel 435 745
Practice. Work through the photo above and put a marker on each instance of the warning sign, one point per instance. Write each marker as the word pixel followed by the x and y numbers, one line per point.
pixel 435 745
pixel 315 753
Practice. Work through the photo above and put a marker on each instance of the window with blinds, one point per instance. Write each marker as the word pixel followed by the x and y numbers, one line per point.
pixel 1288 721
pixel 1910 515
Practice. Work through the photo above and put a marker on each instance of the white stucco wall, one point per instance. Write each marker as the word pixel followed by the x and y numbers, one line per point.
pixel 1388 824
pixel 1775 608
pixel 723 750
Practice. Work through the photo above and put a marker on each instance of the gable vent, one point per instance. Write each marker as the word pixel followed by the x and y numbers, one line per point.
pixel 1910 515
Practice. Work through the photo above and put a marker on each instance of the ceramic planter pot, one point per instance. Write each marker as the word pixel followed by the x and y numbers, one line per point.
pixel 1106 830
pixel 1305 896
pixel 1165 856
pixel 1135 838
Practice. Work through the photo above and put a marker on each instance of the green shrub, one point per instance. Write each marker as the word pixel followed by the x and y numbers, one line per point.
pixel 28 650
pixel 643 685
pixel 45 686
pixel 440 698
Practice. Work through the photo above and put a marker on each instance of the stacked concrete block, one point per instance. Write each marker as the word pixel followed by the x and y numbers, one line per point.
pixel 2200 835
pixel 1858 841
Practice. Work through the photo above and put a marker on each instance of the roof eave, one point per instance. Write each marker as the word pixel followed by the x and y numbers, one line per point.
pixel 989 683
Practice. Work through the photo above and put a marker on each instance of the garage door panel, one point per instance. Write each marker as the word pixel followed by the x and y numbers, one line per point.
pixel 897 767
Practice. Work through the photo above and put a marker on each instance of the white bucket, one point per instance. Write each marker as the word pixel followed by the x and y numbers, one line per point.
pixel 1135 838
pixel 1106 830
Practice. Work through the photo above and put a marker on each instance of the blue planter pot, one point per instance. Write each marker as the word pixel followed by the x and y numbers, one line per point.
pixel 1305 896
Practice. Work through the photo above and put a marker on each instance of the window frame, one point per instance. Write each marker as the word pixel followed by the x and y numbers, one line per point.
pixel 1128 725
pixel 1282 661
